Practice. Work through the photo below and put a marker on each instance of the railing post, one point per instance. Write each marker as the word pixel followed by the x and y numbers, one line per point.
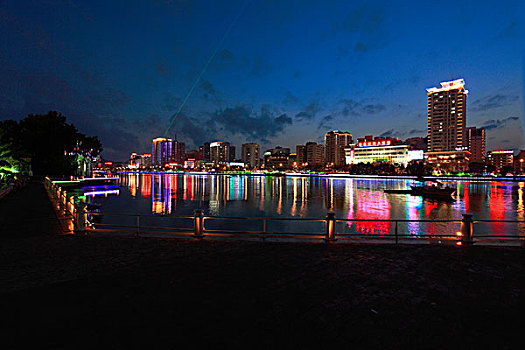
pixel 138 226
pixel 395 232
pixel 467 228
pixel 81 214
pixel 65 203
pixel 63 208
pixel 198 221
pixel 330 227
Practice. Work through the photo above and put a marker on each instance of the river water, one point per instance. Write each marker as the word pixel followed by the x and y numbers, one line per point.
pixel 168 195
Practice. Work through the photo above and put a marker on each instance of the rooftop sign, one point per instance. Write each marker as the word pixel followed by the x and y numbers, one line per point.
pixel 449 85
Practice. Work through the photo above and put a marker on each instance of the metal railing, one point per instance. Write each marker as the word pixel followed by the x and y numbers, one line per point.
pixel 84 221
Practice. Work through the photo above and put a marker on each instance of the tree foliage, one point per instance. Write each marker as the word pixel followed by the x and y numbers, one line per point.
pixel 49 141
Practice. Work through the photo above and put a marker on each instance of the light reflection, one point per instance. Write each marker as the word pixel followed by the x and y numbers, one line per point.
pixel 372 205
pixel 314 196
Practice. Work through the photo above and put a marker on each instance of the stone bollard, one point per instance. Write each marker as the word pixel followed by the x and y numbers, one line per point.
pixel 80 218
pixel 467 229
pixel 330 227
pixel 198 223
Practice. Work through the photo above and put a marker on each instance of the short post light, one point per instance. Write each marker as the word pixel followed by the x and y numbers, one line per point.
pixel 198 223
pixel 467 229
pixel 330 227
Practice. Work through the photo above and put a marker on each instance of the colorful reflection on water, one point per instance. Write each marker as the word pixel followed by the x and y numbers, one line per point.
pixel 313 197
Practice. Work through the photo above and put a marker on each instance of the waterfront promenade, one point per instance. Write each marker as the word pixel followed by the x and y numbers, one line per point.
pixel 68 291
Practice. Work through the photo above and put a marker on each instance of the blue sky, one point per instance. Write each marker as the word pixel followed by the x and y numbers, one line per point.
pixel 283 73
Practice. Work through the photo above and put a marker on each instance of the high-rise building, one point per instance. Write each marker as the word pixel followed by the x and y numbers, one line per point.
pixel 476 144
pixel 300 152
pixel 251 154
pixel 161 151
pixel 178 152
pixel 220 152
pixel 335 143
pixel 204 150
pixel 232 153
pixel 311 154
pixel 139 160
pixel 447 116
pixel 277 158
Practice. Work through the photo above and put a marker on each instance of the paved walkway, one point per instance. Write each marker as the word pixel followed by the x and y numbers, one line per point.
pixel 28 212
pixel 70 292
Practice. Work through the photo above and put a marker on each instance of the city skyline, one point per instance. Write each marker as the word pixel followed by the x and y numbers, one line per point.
pixel 272 73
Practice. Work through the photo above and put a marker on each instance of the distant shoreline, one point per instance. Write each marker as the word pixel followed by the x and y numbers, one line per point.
pixel 475 178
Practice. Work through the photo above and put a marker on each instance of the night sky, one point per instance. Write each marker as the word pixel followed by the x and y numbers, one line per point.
pixel 273 72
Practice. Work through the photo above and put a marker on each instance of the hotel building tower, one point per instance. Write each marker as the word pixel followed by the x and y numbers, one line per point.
pixel 476 144
pixel 335 143
pixel 447 116
pixel 251 154
pixel 161 151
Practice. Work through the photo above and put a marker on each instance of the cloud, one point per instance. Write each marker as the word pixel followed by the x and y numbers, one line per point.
pixel 260 67
pixel 283 119
pixel 170 102
pixel 227 60
pixel 209 90
pixel 162 67
pixel 367 18
pixel 513 30
pixel 362 30
pixel 325 123
pixel 233 121
pixel 373 109
pixel 352 107
pixel 289 98
pixel 491 102
pixel 416 131
pixel 387 133
pixel 309 111
pixel 498 123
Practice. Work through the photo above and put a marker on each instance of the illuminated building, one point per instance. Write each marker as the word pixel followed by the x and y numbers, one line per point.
pixel 449 161
pixel 335 143
pixel 277 157
pixel 178 152
pixel 139 160
pixel 250 154
pixel 204 150
pixel 380 149
pixel 300 152
pixel 311 154
pixel 476 144
pixel 192 154
pixel 232 153
pixel 220 152
pixel 447 115
pixel 500 159
pixel 161 152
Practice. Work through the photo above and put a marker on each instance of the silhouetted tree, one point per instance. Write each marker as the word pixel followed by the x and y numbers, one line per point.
pixel 49 141
pixel 476 167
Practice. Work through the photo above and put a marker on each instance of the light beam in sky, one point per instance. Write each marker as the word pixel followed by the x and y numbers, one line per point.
pixel 190 91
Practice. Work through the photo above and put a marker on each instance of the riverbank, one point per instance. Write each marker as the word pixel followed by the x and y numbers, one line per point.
pixel 70 291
